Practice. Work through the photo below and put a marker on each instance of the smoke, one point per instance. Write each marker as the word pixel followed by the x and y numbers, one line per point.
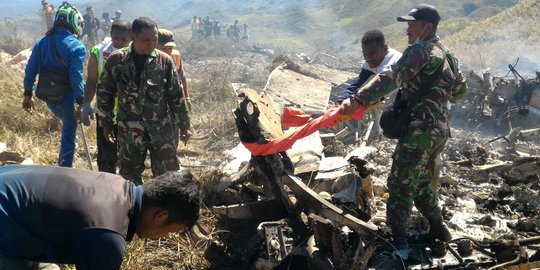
pixel 502 40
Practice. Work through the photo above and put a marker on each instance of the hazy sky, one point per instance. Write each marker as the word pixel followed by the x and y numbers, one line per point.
pixel 16 8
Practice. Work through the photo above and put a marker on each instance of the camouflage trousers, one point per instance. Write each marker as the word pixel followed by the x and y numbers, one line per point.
pixel 134 141
pixel 413 169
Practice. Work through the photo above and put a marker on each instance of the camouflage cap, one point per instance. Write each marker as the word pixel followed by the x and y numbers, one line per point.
pixel 166 38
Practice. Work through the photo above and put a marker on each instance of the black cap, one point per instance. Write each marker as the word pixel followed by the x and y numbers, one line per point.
pixel 422 12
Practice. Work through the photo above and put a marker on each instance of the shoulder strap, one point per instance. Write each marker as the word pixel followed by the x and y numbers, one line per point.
pixel 415 99
pixel 58 55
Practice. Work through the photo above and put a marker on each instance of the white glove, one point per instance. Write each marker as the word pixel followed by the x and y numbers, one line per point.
pixel 87 114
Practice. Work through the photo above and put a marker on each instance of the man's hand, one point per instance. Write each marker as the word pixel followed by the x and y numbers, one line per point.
pixel 185 134
pixel 28 104
pixel 87 114
pixel 349 106
pixel 109 134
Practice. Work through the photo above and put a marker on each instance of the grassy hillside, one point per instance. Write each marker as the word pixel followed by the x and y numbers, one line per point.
pixel 500 40
pixel 314 26
pixel 306 25
pixel 478 30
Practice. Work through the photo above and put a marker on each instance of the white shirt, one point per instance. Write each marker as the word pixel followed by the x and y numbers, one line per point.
pixel 391 58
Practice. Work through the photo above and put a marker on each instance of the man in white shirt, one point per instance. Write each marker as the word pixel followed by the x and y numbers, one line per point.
pixel 378 57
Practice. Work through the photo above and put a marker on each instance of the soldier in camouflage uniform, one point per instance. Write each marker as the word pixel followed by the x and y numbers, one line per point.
pixel 425 63
pixel 144 80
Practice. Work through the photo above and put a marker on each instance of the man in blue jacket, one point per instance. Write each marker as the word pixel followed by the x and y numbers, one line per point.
pixel 68 23
pixel 72 216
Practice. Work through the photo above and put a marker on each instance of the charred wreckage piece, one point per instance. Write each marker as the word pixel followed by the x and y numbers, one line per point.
pixel 301 222
pixel 499 104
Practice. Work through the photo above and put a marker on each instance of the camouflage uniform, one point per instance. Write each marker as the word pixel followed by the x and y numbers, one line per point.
pixel 146 111
pixel 414 157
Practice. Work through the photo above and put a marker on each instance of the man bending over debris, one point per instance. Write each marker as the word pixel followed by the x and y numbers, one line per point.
pixel 145 81
pixel 73 216
pixel 427 72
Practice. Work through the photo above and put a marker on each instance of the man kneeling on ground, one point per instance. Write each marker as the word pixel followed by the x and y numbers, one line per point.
pixel 72 216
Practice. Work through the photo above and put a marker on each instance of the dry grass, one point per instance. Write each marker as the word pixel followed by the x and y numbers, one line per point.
pixel 213 102
pixel 199 48
pixel 34 135
pixel 38 136
pixel 12 42
pixel 173 252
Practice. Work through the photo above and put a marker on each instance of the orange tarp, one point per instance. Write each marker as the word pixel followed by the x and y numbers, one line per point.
pixel 291 117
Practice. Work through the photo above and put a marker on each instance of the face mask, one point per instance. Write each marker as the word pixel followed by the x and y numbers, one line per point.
pixel 418 39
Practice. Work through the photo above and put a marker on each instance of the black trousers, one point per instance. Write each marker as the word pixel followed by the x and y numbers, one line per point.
pixel 106 151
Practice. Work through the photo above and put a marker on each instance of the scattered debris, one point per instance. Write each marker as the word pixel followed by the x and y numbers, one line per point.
pixel 499 104
pixel 322 204
pixel 10 157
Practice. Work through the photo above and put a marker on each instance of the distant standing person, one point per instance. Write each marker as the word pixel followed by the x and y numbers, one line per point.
pixel 91 26
pixel 194 27
pixel 236 31
pixel 207 27
pixel 166 44
pixel 117 15
pixel 245 34
pixel 201 27
pixel 230 32
pixel 58 215
pixel 120 37
pixel 59 53
pixel 106 24
pixel 217 29
pixel 145 81
pixel 47 13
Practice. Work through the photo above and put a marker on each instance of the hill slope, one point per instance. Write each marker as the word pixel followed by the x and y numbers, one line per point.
pixel 501 39
pixel 468 26
pixel 307 24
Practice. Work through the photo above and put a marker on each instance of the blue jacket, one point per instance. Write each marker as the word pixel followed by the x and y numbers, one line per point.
pixel 64 215
pixel 72 51
pixel 355 85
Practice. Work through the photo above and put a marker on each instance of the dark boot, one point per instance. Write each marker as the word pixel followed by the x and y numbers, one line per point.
pixel 437 227
pixel 439 231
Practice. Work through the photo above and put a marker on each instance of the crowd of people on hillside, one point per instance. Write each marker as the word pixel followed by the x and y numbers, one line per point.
pixel 94 30
pixel 142 106
pixel 211 29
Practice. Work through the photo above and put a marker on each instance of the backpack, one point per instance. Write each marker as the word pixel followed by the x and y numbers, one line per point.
pixel 53 86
